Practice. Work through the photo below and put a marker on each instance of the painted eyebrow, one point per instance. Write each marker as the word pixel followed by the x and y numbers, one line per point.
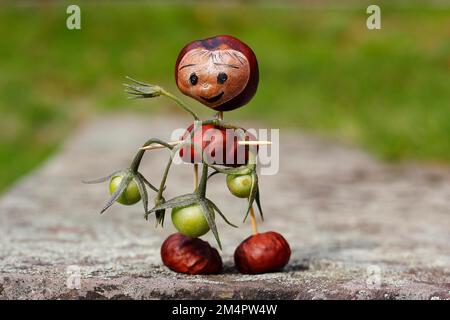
pixel 226 65
pixel 187 65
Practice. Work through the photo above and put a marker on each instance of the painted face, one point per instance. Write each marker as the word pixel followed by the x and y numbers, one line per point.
pixel 221 72
pixel 213 77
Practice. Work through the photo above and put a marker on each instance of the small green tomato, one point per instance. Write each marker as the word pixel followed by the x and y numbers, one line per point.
pixel 190 221
pixel 239 185
pixel 131 194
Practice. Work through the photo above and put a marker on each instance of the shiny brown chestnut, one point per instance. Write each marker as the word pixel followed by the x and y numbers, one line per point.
pixel 190 255
pixel 221 72
pixel 218 145
pixel 261 253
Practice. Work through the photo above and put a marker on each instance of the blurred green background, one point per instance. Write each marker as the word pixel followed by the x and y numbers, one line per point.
pixel 321 70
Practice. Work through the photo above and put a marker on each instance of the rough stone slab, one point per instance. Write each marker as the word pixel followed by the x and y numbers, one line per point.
pixel 343 213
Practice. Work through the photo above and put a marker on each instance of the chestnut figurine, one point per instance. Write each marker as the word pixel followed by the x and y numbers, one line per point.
pixel 221 72
pixel 190 255
pixel 261 253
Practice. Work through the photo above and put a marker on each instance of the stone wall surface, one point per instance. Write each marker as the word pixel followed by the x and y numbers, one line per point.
pixel 359 228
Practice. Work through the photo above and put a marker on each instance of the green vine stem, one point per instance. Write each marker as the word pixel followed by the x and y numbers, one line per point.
pixel 138 157
pixel 202 185
pixel 180 103
pixel 145 90
pixel 164 178
pixel 221 123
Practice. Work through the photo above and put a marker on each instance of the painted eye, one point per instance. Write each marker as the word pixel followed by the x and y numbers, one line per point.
pixel 193 79
pixel 222 77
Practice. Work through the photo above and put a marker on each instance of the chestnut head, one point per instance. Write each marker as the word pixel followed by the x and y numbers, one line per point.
pixel 221 72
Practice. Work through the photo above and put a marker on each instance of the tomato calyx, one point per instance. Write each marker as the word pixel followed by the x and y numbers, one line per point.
pixel 132 174
pixel 159 214
pixel 198 197
pixel 127 177
pixel 248 169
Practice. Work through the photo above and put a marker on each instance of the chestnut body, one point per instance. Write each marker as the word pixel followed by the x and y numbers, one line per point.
pixel 190 255
pixel 218 145
pixel 263 252
pixel 221 72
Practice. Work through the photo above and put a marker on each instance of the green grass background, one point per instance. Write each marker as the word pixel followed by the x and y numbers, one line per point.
pixel 321 70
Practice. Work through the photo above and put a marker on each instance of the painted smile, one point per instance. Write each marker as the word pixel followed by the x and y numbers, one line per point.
pixel 213 99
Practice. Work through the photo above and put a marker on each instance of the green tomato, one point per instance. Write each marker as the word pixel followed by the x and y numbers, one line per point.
pixel 130 196
pixel 190 221
pixel 240 185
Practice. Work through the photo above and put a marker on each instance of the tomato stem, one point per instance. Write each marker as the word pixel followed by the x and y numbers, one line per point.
pixel 220 123
pixel 138 157
pixel 202 186
pixel 180 103
pixel 164 179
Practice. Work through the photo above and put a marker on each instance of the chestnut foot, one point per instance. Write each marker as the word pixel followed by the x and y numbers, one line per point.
pixel 261 253
pixel 190 255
